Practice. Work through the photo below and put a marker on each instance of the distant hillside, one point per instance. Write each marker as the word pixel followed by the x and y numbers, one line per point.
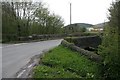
pixel 80 25
pixel 100 24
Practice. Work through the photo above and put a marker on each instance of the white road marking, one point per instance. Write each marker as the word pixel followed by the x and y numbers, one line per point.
pixel 21 73
pixel 17 44
pixel 30 66
pixel 14 45
pixel 24 43
pixel 7 46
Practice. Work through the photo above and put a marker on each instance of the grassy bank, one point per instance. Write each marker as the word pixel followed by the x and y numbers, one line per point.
pixel 61 62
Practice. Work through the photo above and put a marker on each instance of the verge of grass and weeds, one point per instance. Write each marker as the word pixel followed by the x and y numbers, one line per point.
pixel 62 62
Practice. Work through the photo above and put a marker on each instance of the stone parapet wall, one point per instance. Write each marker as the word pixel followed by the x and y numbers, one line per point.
pixel 85 41
pixel 88 54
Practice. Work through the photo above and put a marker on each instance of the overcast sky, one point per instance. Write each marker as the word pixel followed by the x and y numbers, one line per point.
pixel 83 11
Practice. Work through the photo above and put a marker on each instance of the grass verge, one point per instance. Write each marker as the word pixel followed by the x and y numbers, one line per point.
pixel 62 62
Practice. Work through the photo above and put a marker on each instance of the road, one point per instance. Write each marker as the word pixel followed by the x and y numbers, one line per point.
pixel 0 61
pixel 16 56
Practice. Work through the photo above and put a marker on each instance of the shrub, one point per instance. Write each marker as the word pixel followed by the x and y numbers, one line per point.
pixel 109 50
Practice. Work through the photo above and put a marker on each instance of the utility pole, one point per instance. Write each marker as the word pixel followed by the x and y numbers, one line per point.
pixel 71 17
pixel 70 14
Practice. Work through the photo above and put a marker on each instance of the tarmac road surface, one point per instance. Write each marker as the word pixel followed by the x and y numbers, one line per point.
pixel 15 56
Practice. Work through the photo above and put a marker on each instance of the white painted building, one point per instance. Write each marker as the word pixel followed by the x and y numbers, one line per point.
pixel 95 29
pixel 90 29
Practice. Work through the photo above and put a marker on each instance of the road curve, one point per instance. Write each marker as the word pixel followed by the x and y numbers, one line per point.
pixel 15 56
